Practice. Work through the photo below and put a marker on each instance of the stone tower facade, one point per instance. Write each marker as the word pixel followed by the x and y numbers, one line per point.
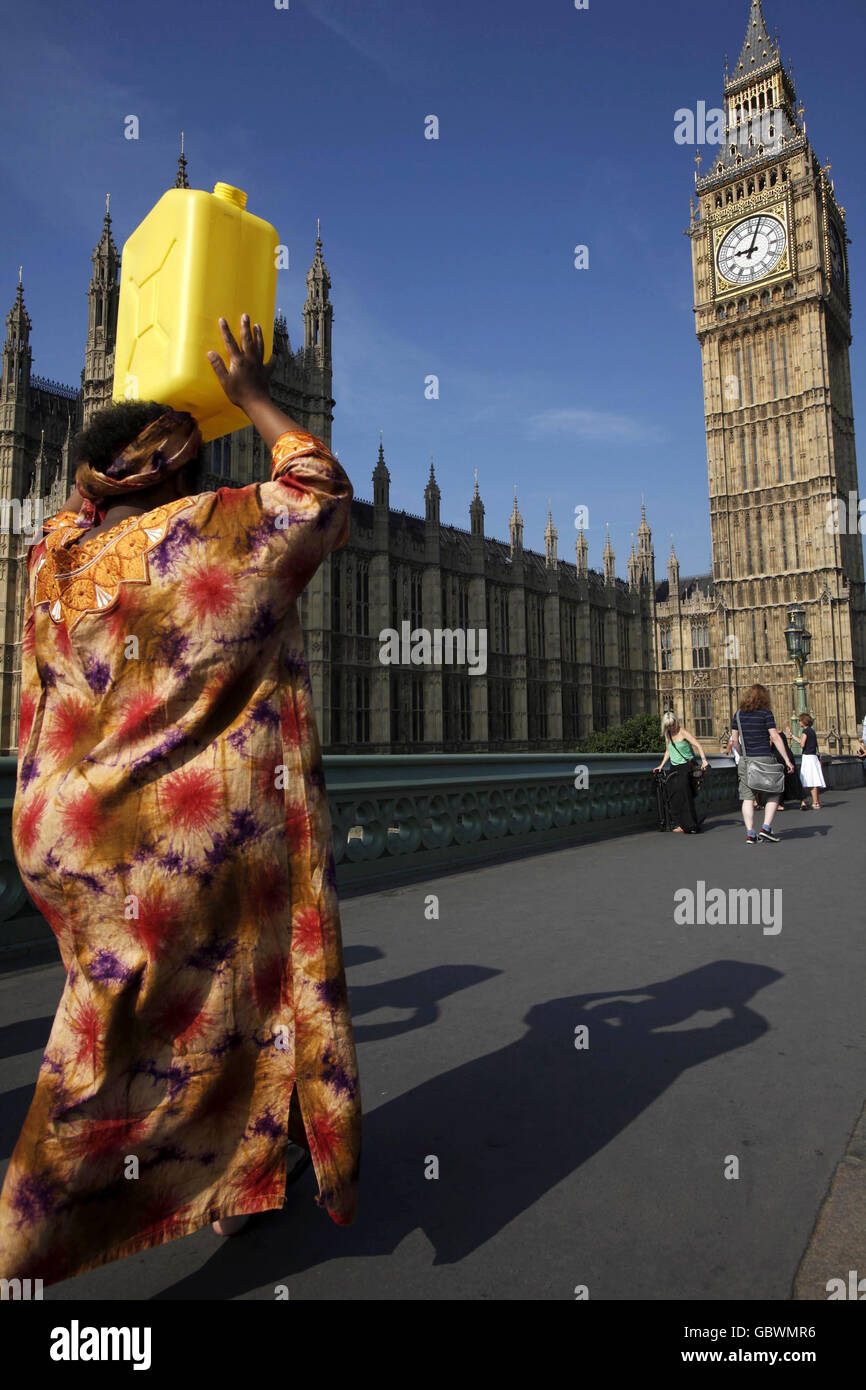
pixel 37 421
pixel 773 311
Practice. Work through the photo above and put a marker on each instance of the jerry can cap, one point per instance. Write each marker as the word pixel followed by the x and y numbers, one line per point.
pixel 230 194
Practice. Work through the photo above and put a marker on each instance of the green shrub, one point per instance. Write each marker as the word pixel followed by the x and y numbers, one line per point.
pixel 642 734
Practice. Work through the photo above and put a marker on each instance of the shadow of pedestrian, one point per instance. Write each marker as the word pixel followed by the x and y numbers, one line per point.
pixel 503 1128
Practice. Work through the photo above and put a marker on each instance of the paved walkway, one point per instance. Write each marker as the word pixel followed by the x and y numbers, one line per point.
pixel 560 1166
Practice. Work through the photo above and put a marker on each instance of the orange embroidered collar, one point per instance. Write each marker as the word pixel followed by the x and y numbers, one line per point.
pixel 85 577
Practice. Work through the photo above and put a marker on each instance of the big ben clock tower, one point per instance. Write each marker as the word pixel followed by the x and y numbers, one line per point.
pixel 772 315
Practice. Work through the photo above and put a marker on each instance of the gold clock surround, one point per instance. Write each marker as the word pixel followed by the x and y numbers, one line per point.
pixel 724 288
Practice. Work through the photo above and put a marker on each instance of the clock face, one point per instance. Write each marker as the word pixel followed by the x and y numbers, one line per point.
pixel 837 258
pixel 752 249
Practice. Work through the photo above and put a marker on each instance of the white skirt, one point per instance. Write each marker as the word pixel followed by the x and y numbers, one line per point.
pixel 810 771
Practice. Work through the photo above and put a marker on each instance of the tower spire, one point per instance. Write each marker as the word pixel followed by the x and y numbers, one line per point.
pixel 645 553
pixel 17 353
pixel 760 103
pixel 673 571
pixel 515 526
pixel 609 559
pixel 476 511
pixel 432 496
pixel 181 181
pixel 318 310
pixel 758 48
pixel 381 479
pixel 633 566
pixel 102 299
pixel 550 538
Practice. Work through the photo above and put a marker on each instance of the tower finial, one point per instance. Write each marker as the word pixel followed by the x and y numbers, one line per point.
pixel 20 273
pixel 181 181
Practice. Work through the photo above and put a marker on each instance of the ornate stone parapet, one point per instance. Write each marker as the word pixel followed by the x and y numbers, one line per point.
pixel 401 817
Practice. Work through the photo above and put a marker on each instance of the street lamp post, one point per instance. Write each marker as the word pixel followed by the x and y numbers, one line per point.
pixel 799 646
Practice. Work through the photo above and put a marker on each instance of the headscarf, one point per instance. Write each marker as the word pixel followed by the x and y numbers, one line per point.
pixel 162 447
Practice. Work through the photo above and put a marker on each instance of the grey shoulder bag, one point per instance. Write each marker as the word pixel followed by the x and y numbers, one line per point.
pixel 769 780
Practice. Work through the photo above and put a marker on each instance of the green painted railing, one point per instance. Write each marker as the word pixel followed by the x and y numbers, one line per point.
pixel 403 816
pixel 399 818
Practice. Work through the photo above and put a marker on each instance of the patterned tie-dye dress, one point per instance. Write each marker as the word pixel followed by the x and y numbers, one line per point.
pixel 171 824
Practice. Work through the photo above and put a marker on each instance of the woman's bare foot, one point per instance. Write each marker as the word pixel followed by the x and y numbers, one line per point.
pixel 230 1225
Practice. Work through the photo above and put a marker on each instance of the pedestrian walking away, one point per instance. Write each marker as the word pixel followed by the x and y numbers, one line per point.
pixel 811 774
pixel 759 771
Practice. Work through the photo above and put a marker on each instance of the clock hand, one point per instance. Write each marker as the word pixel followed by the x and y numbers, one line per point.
pixel 754 238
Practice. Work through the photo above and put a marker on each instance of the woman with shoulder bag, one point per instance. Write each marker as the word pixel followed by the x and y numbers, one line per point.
pixel 756 736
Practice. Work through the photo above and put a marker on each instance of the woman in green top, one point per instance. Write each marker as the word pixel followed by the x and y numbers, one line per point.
pixel 680 748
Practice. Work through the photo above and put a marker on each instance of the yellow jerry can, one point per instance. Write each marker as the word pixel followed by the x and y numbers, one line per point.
pixel 195 256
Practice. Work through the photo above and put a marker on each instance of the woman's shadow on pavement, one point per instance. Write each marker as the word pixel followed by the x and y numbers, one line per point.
pixel 504 1128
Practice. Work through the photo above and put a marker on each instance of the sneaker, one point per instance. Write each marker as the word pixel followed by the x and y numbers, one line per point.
pixel 766 834
pixel 751 839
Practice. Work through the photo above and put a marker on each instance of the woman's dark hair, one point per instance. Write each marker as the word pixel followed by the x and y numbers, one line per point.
pixel 756 697
pixel 115 426
pixel 806 720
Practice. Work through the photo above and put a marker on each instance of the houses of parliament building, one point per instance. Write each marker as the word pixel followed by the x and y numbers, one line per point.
pixel 570 649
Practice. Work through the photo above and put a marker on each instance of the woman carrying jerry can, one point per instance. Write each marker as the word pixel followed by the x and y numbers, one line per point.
pixel 204 1024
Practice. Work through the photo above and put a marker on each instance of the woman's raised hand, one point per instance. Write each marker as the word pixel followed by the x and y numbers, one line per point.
pixel 248 375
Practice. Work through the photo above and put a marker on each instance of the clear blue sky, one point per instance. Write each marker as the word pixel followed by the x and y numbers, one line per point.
pixel 452 257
